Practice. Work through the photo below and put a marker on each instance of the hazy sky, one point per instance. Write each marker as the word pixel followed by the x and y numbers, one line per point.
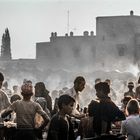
pixel 31 21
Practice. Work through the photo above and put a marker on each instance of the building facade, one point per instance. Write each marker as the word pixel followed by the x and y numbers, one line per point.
pixel 116 43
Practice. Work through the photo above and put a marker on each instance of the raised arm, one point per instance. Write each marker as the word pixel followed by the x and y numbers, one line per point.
pixel 6 112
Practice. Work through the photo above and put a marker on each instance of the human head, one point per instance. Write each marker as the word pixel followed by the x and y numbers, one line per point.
pixel 102 89
pixel 39 89
pixel 97 80
pixel 130 85
pixel 1 79
pixel 14 98
pixel 27 81
pixel 5 84
pixel 66 103
pixel 15 88
pixel 108 81
pixel 79 83
pixel 27 89
pixel 65 89
pixel 132 107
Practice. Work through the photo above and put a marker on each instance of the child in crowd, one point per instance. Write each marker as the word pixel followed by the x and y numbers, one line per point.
pixel 130 126
pixel 60 126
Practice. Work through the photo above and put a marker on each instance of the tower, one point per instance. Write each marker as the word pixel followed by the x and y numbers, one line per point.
pixel 6 46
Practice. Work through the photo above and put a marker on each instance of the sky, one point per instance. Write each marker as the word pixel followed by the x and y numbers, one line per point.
pixel 32 21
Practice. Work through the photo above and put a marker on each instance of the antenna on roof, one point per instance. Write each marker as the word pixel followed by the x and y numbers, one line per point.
pixel 68 22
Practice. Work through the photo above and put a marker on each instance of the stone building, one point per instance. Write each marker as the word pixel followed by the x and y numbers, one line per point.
pixel 118 38
pixel 106 54
pixel 116 44
pixel 67 51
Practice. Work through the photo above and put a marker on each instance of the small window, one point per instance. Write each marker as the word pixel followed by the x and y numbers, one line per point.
pixel 121 48
pixel 76 51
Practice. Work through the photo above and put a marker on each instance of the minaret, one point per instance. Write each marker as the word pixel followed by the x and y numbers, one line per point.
pixel 6 46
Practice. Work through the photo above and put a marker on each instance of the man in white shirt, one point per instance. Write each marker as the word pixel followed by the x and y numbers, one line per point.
pixel 79 85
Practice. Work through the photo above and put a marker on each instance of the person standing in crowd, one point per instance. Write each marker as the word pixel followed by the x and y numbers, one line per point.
pixel 7 90
pixel 79 85
pixel 26 110
pixel 131 126
pixel 41 91
pixel 130 92
pixel 60 127
pixel 124 102
pixel 97 80
pixel 16 90
pixel 39 96
pixel 107 112
pixel 43 103
pixel 4 102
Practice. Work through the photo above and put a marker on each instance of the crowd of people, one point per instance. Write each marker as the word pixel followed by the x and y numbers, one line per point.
pixel 38 115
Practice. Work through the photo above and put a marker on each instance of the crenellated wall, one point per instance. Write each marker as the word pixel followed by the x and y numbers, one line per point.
pixel 116 40
pixel 67 51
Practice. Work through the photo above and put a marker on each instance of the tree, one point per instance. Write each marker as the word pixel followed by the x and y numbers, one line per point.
pixel 6 46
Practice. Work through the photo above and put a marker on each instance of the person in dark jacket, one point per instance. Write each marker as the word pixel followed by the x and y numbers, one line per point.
pixel 107 111
pixel 61 127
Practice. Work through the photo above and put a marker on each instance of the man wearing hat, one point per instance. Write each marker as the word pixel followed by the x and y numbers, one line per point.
pixel 130 92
